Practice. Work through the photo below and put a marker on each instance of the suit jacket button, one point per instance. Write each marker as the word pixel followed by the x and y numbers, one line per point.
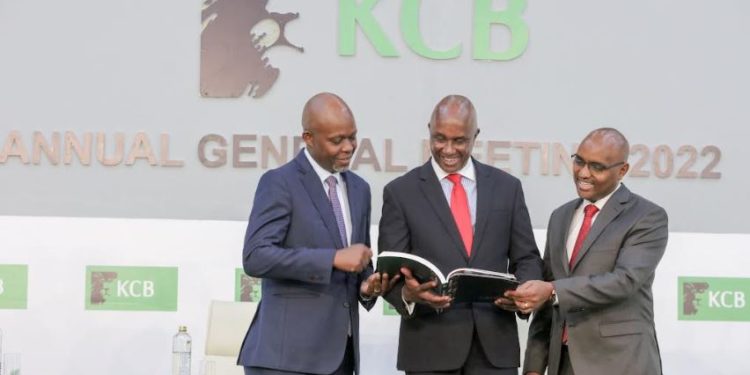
pixel 346 304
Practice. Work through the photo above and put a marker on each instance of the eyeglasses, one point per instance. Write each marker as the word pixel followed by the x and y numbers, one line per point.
pixel 593 166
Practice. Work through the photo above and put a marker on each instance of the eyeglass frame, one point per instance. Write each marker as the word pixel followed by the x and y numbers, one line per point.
pixel 594 167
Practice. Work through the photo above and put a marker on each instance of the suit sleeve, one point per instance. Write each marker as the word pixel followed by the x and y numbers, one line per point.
pixel 636 263
pixel 537 346
pixel 524 258
pixel 263 254
pixel 393 235
pixel 367 304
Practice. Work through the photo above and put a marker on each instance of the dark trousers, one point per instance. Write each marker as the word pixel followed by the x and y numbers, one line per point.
pixel 566 368
pixel 476 364
pixel 346 367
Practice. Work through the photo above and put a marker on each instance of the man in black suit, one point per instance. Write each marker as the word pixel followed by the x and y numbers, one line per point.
pixel 457 212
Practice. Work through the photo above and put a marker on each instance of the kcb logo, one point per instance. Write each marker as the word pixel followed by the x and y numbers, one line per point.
pixel 131 288
pixel 714 298
pixel 103 284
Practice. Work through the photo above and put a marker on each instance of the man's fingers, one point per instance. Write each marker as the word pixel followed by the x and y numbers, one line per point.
pixel 506 306
pixel 428 286
pixel 407 273
pixel 434 299
pixel 390 283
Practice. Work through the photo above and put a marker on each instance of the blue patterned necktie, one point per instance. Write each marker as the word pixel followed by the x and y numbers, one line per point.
pixel 337 211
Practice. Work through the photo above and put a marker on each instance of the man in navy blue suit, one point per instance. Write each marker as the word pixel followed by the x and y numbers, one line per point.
pixel 308 238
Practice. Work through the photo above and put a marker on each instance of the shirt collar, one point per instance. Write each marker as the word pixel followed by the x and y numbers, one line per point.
pixel 320 171
pixel 467 171
pixel 601 202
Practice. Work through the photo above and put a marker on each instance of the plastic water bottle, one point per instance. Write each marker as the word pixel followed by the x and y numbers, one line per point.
pixel 181 344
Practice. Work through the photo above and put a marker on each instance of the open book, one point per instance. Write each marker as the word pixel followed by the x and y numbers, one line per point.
pixel 462 284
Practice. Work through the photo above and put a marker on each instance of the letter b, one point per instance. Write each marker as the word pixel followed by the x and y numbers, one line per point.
pixel 739 300
pixel 148 289
pixel 485 17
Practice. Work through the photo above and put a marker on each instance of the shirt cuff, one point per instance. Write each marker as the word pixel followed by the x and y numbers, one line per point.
pixel 553 296
pixel 366 298
pixel 409 305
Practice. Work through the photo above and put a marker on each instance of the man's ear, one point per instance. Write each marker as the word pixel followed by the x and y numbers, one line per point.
pixel 307 136
pixel 624 170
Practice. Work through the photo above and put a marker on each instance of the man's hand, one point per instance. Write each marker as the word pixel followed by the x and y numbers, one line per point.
pixel 531 295
pixel 353 258
pixel 377 285
pixel 413 291
pixel 532 373
pixel 506 304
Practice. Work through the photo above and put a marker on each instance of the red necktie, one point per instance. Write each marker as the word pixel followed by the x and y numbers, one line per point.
pixel 588 215
pixel 460 211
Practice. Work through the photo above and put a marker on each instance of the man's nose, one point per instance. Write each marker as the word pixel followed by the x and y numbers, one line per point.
pixel 584 171
pixel 348 145
pixel 449 147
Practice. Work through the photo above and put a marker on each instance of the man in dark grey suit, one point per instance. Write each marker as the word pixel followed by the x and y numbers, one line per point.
pixel 308 237
pixel 597 313
pixel 457 212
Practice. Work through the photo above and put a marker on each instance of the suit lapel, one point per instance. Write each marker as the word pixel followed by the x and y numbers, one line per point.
pixel 485 187
pixel 314 188
pixel 433 192
pixel 355 210
pixel 609 212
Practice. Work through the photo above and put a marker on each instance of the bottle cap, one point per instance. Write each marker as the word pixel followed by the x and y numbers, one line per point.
pixel 183 329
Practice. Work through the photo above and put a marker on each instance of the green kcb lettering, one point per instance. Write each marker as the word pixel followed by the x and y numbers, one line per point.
pixel 353 13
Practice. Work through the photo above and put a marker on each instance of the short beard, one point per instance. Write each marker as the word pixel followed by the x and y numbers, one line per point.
pixel 340 169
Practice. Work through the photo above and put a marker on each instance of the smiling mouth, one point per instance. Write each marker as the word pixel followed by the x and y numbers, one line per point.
pixel 450 159
pixel 584 185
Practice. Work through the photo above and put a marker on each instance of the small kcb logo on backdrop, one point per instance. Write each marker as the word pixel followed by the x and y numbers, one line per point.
pixel 14 286
pixel 236 35
pixel 246 288
pixel 131 288
pixel 713 298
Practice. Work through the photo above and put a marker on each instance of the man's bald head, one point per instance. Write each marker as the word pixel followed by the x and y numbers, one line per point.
pixel 329 131
pixel 458 107
pixel 323 108
pixel 600 163
pixel 453 129
pixel 611 138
